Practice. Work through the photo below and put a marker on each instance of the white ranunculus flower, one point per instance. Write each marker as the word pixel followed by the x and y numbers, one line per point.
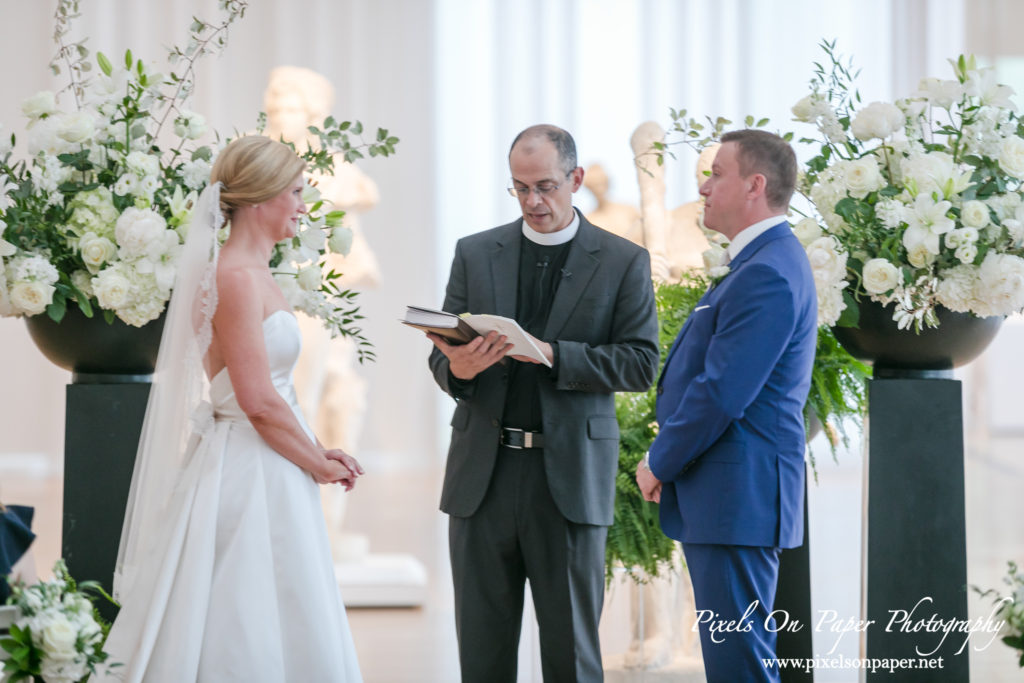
pixel 1011 156
pixel 881 276
pixel 310 277
pixel 140 232
pixel 113 290
pixel 956 289
pixel 31 298
pixel 941 93
pixel 340 241
pixel 975 214
pixel 96 251
pixel 76 127
pixel 807 230
pixel 862 176
pixel 1001 283
pixel 877 120
pixel 41 104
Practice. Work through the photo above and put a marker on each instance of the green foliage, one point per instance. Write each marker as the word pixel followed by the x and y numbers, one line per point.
pixel 1010 608
pixel 635 540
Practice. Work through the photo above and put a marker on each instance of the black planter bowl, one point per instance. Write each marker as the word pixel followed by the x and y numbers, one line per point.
pixel 90 346
pixel 959 339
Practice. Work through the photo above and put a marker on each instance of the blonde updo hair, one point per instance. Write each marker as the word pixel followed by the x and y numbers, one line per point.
pixel 253 169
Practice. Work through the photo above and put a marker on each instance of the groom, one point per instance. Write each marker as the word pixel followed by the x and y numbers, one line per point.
pixel 727 464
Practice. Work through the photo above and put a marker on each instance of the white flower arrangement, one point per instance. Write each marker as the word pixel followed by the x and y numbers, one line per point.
pixel 57 636
pixel 96 214
pixel 923 197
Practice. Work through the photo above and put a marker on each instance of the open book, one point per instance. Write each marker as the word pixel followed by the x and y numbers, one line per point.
pixel 459 329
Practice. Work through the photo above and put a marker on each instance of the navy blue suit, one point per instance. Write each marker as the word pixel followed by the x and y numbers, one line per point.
pixel 730 445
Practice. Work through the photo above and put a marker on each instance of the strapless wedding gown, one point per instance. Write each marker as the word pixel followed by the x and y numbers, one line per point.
pixel 240 583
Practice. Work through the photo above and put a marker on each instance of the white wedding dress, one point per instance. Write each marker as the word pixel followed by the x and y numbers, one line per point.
pixel 240 585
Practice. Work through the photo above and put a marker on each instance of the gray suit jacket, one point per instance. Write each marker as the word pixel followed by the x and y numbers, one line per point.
pixel 604 320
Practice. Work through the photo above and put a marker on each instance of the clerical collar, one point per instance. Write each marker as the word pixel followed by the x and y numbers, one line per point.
pixel 751 233
pixel 553 238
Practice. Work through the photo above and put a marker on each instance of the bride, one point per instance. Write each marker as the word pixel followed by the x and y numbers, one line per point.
pixel 224 571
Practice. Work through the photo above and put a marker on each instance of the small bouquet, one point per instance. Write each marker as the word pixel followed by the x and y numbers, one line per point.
pixel 58 636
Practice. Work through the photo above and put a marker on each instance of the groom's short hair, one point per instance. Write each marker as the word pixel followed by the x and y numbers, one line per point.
pixel 771 156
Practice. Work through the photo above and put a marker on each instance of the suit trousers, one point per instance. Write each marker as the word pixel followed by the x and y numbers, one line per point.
pixel 734 591
pixel 518 534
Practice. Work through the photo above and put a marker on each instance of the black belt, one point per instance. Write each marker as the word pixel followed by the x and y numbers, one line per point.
pixel 518 438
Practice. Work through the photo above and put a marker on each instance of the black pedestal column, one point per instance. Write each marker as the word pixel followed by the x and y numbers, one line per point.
pixel 916 547
pixel 103 423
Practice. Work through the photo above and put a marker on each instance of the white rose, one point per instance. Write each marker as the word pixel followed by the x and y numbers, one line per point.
pixel 31 298
pixel 41 104
pixel 113 290
pixel 96 251
pixel 881 276
pixel 310 277
pixel 77 127
pixel 1011 156
pixel 877 120
pixel 862 176
pixel 975 214
pixel 140 232
pixel 340 241
pixel 919 255
pixel 827 263
pixel 807 230
pixel 59 638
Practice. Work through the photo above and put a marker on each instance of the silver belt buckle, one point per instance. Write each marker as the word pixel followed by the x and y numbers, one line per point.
pixel 528 438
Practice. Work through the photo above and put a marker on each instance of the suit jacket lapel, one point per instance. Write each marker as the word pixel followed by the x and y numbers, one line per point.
pixel 580 266
pixel 505 270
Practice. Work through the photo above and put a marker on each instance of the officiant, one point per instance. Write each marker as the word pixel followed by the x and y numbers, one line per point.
pixel 529 482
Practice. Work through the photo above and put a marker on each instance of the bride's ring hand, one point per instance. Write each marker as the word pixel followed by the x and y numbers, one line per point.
pixel 350 463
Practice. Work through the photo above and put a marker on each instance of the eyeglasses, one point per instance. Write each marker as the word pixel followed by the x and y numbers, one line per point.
pixel 543 189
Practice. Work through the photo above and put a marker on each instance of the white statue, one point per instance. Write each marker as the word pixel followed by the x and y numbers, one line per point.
pixel 687 237
pixel 651 177
pixel 330 390
pixel 621 219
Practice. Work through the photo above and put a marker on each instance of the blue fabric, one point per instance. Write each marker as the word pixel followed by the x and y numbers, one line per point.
pixel 730 445
pixel 734 588
pixel 15 538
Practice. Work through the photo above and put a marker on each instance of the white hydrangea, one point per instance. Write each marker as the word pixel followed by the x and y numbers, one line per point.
pixel 1001 280
pixel 142 164
pixel 195 173
pixel 890 212
pixel 830 305
pixel 956 288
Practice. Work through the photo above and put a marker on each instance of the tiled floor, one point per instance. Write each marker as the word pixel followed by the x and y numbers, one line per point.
pixel 398 512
